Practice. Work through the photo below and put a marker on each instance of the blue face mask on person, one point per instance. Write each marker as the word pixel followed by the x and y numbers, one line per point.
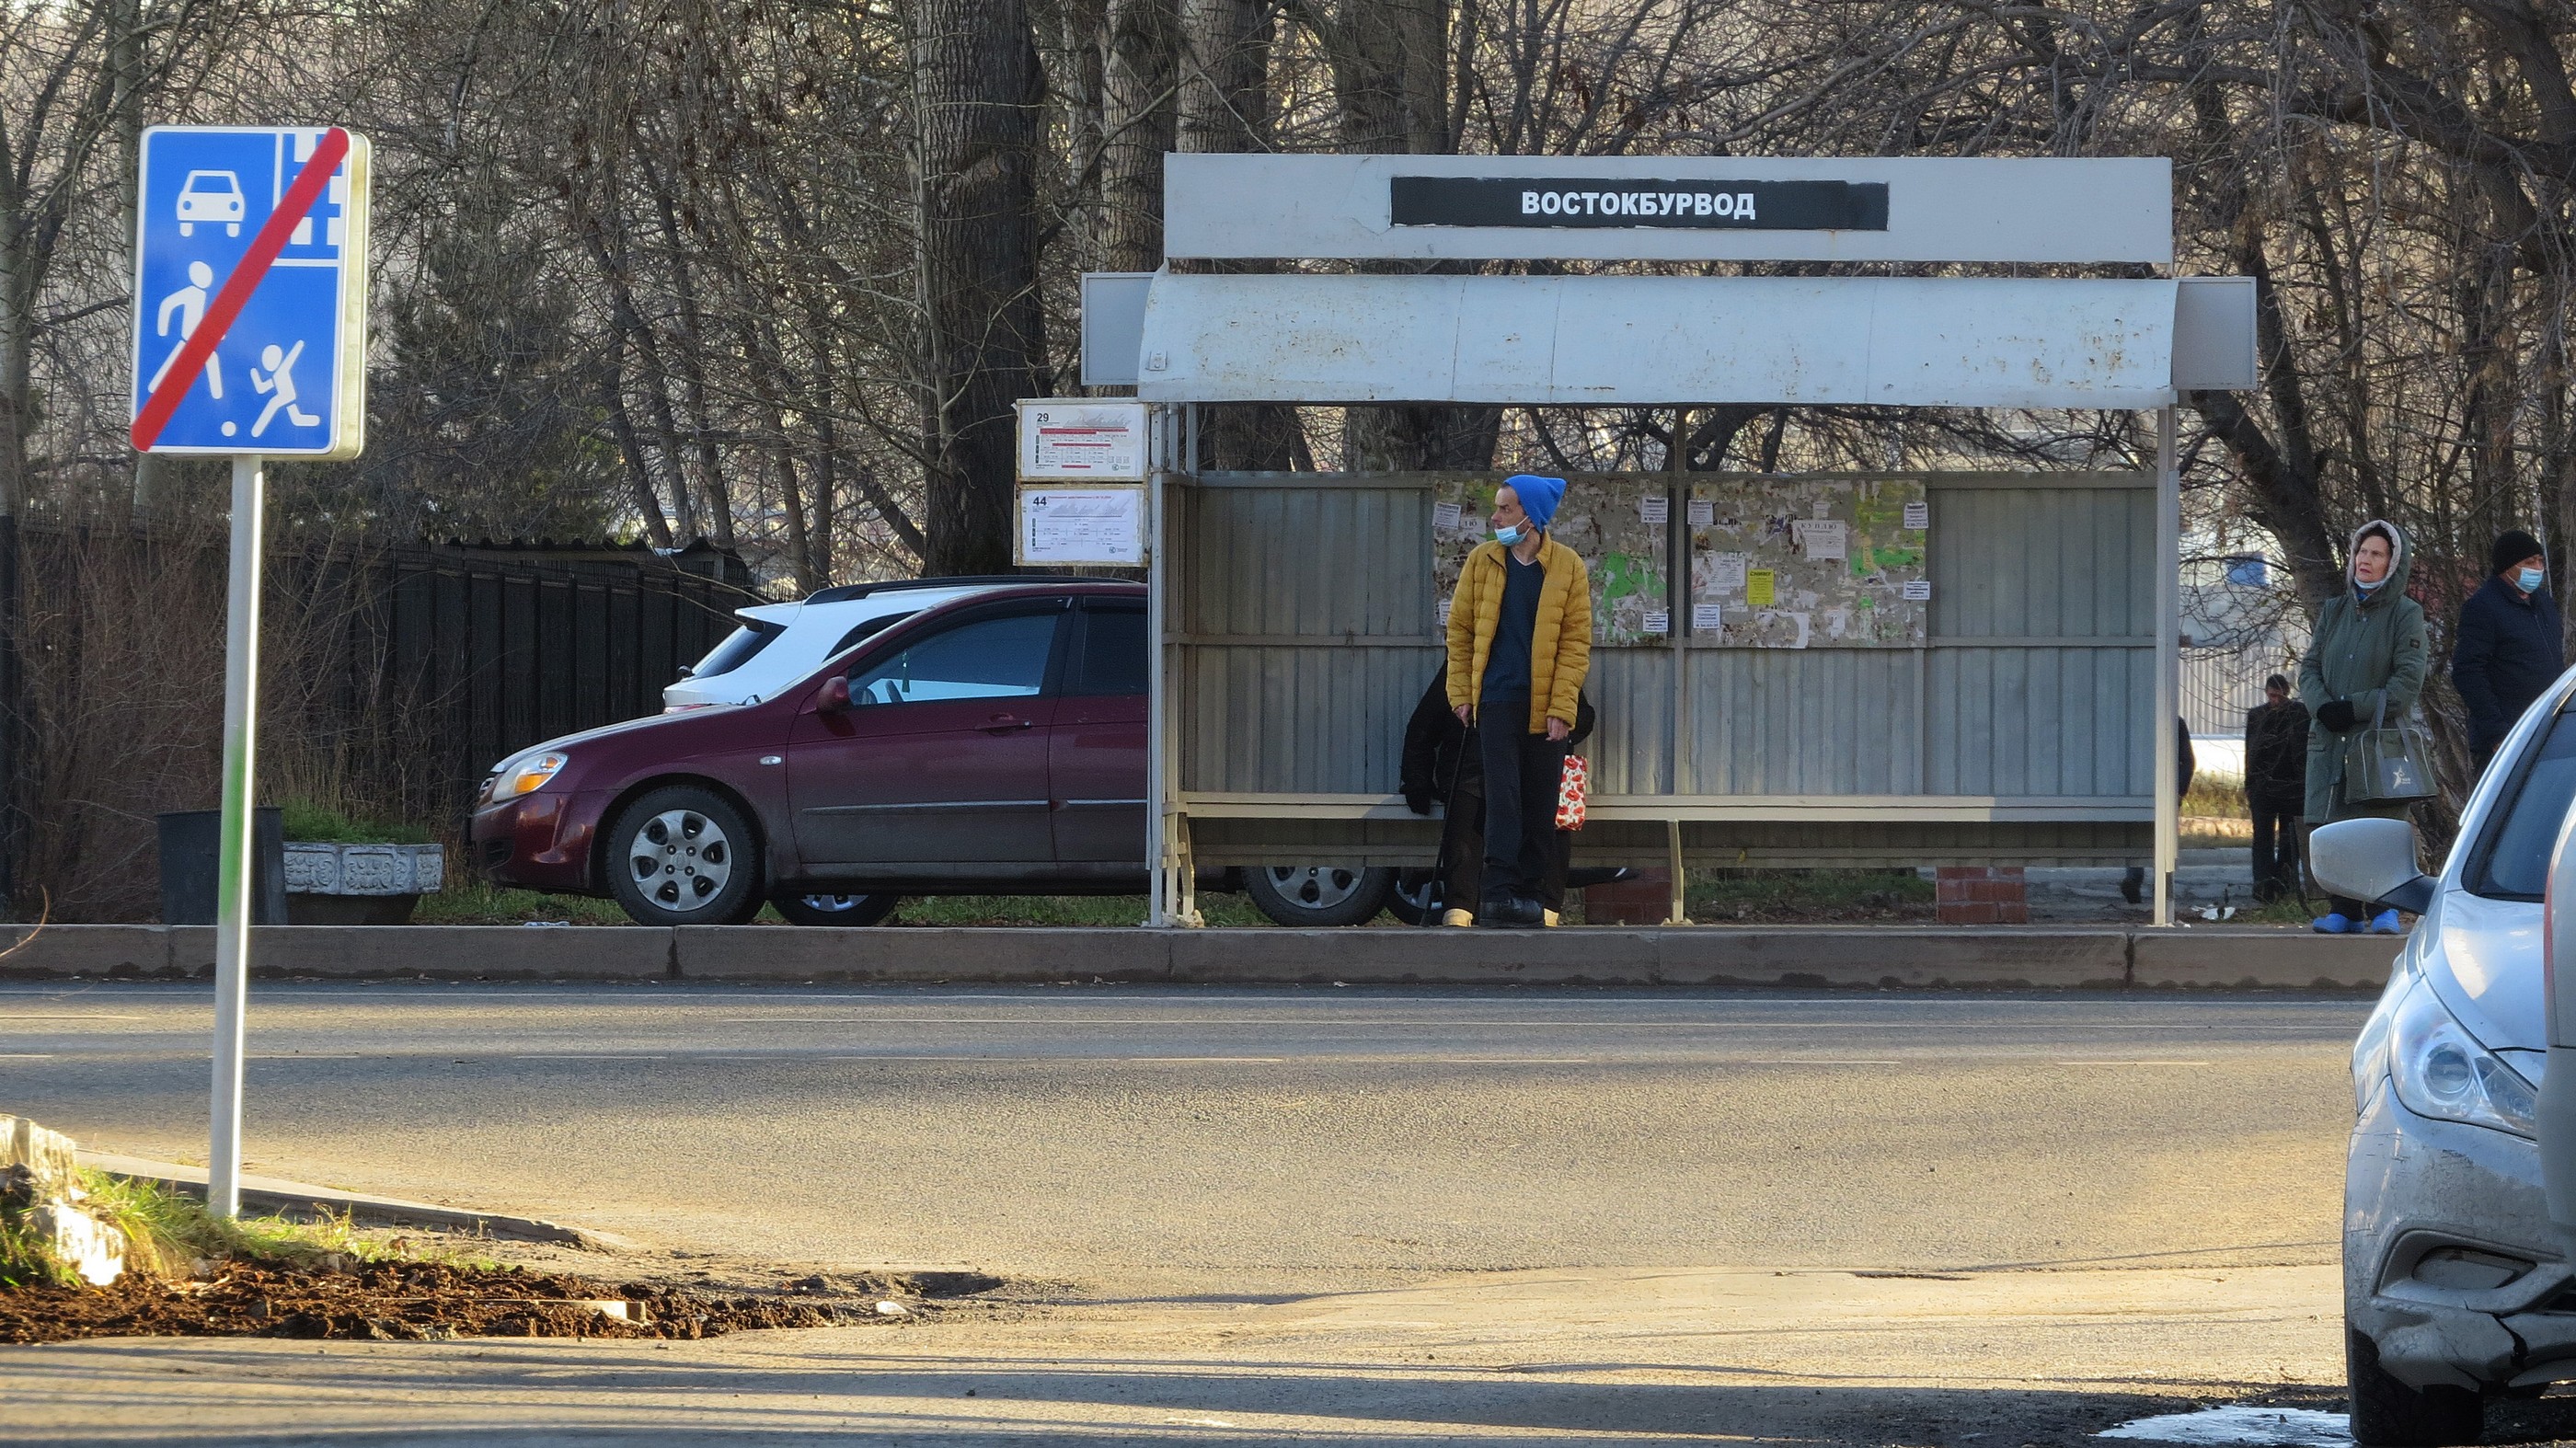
pixel 1510 535
pixel 2530 579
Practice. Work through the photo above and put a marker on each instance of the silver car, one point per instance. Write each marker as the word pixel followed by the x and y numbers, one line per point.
pixel 2458 1284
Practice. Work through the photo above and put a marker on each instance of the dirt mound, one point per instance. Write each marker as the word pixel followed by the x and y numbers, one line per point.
pixel 398 1301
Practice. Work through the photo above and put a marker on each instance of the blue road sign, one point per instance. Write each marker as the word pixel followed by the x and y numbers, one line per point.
pixel 267 311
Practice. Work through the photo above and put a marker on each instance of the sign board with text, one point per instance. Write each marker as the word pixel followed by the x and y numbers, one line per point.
pixel 1078 437
pixel 1062 526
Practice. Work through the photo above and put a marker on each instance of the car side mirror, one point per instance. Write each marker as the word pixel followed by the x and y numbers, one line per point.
pixel 2372 860
pixel 834 696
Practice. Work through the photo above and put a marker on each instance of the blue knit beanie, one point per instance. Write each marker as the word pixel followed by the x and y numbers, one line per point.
pixel 1539 496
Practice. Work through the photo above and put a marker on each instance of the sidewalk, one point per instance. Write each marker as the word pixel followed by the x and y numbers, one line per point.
pixel 1697 957
pixel 1483 1360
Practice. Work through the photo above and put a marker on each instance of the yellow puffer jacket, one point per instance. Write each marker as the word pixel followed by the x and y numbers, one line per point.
pixel 1560 643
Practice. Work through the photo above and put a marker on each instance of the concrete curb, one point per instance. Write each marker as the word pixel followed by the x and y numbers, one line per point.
pixel 438 952
pixel 2257 959
pixel 1706 956
pixel 272 1194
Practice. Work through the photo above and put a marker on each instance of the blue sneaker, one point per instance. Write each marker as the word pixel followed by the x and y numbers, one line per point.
pixel 2336 924
pixel 2385 923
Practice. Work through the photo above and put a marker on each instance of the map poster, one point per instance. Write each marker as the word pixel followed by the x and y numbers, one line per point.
pixel 1617 521
pixel 1794 562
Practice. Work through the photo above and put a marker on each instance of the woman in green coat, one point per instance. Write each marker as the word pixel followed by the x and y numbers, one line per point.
pixel 2368 655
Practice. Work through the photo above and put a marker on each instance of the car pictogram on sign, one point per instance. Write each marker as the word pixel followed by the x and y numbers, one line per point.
pixel 210 196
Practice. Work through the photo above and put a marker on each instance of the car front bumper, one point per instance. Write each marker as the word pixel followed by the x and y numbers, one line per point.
pixel 539 841
pixel 2418 1189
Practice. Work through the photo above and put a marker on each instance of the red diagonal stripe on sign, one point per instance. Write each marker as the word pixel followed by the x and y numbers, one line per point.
pixel 235 292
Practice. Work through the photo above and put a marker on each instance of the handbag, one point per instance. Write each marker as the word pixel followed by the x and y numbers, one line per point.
pixel 2386 764
pixel 1570 787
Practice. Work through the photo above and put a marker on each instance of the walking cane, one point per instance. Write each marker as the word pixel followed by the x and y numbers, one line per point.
pixel 1435 895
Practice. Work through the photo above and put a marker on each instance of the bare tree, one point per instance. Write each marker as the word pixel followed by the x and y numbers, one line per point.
pixel 976 80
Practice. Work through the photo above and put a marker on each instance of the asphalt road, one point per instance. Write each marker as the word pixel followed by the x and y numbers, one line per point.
pixel 1248 1141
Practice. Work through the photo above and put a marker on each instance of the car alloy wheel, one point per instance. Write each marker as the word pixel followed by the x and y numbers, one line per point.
pixel 1309 896
pixel 800 907
pixel 1317 887
pixel 680 860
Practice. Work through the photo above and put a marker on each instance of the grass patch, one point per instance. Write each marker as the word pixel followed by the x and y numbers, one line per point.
pixel 472 900
pixel 2217 795
pixel 307 822
pixel 1064 910
pixel 168 1231
pixel 1773 895
pixel 480 902
pixel 21 1265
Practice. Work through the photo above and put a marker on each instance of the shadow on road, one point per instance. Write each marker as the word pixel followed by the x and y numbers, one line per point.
pixel 494 1395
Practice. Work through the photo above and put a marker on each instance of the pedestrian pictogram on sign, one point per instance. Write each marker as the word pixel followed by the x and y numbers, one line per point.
pixel 250 272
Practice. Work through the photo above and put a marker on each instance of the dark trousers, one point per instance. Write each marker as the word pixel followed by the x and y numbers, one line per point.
pixel 1463 844
pixel 1521 775
pixel 2276 847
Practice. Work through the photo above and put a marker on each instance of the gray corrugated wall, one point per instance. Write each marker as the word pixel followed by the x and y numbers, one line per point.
pixel 1345 572
pixel 2035 563
pixel 1631 744
pixel 1803 721
pixel 1327 587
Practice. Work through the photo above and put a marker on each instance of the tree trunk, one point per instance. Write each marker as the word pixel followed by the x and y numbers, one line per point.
pixel 1137 125
pixel 976 89
pixel 1225 76
pixel 1224 106
pixel 1390 72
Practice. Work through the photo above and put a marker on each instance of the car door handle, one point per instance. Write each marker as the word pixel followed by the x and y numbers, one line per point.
pixel 1005 723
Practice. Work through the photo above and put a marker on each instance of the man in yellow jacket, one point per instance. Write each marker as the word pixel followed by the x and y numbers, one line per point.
pixel 1520 642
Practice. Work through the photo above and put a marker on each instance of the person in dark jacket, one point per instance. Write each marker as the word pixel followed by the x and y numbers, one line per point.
pixel 2133 885
pixel 2366 661
pixel 2509 650
pixel 2276 786
pixel 1441 765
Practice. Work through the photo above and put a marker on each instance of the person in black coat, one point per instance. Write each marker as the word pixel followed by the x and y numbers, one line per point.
pixel 2509 649
pixel 2276 787
pixel 1441 766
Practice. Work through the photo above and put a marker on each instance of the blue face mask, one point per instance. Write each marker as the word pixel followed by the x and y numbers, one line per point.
pixel 2530 579
pixel 1510 536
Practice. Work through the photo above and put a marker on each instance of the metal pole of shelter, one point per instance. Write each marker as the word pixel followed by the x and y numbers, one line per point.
pixel 2168 773
pixel 1158 849
pixel 234 871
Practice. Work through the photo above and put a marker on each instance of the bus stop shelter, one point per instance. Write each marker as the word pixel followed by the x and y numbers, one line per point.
pixel 1900 668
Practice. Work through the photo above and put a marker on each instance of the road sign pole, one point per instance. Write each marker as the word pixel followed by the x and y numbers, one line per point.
pixel 235 873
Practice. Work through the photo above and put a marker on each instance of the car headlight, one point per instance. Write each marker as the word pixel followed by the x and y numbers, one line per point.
pixel 2442 1072
pixel 521 775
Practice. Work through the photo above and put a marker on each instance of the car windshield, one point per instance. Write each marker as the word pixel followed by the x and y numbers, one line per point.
pixel 2512 862
pixel 737 648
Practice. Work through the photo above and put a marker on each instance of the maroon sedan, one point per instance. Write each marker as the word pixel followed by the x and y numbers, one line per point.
pixel 995 744
pixel 990 744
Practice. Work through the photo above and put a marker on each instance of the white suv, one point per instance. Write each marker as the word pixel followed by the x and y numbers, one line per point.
pixel 779 644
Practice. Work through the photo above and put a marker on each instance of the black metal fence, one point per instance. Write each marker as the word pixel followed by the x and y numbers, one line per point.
pixel 503 648
pixel 392 678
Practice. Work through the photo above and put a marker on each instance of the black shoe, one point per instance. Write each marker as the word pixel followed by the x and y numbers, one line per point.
pixel 1510 912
